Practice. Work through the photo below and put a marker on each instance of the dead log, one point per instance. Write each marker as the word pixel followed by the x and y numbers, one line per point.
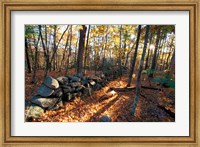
pixel 123 89
pixel 153 88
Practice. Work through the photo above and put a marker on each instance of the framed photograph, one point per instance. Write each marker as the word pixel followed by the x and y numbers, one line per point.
pixel 115 73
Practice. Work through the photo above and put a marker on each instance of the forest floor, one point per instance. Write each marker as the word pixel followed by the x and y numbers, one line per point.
pixel 153 106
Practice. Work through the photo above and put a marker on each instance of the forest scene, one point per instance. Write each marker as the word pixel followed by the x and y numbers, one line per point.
pixel 99 73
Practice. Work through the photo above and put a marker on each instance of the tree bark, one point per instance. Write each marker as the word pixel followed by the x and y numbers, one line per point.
pixel 81 49
pixel 134 56
pixel 27 56
pixel 140 71
pixel 63 57
pixel 36 58
pixel 86 50
pixel 153 65
pixel 69 52
pixel 147 58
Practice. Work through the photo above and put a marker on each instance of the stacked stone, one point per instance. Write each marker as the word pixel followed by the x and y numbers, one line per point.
pixel 53 92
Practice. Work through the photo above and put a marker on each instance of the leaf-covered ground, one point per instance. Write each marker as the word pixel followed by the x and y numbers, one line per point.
pixel 153 106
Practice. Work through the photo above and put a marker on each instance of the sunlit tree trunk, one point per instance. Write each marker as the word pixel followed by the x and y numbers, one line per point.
pixel 134 56
pixel 69 51
pixel 172 63
pixel 105 48
pixel 161 62
pixel 171 49
pixel 86 50
pixel 153 65
pixel 65 50
pixel 140 71
pixel 81 49
pixel 120 56
pixel 147 58
pixel 76 49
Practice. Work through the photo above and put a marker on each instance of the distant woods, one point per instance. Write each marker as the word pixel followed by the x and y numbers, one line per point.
pixel 99 48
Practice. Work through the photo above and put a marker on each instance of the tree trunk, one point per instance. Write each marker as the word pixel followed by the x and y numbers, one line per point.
pixel 153 65
pixel 69 52
pixel 140 71
pixel 81 49
pixel 36 58
pixel 56 46
pixel 120 57
pixel 45 52
pixel 63 57
pixel 104 54
pixel 27 56
pixel 167 62
pixel 86 50
pixel 147 59
pixel 134 56
pixel 162 55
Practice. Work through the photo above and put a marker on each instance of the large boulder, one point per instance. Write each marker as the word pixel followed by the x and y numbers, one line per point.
pixel 33 112
pixel 45 91
pixel 51 82
pixel 46 103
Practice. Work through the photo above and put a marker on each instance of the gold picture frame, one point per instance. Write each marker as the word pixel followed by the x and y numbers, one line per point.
pixel 5 56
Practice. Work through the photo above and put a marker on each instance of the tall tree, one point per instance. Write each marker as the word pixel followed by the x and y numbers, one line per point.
pixel 27 56
pixel 140 71
pixel 86 50
pixel 36 57
pixel 81 49
pixel 134 56
pixel 153 65
pixel 69 51
pixel 147 58
pixel 65 49
pixel 45 51
pixel 169 54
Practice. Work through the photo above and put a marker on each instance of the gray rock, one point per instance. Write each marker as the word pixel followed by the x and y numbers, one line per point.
pixel 67 97
pixel 70 77
pixel 84 81
pixel 75 84
pixel 75 79
pixel 44 91
pixel 62 80
pixel 105 118
pixel 79 75
pixel 51 82
pixel 87 91
pixel 57 106
pixel 92 83
pixel 97 86
pixel 67 89
pixel 34 112
pixel 79 88
pixel 44 102
pixel 57 93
